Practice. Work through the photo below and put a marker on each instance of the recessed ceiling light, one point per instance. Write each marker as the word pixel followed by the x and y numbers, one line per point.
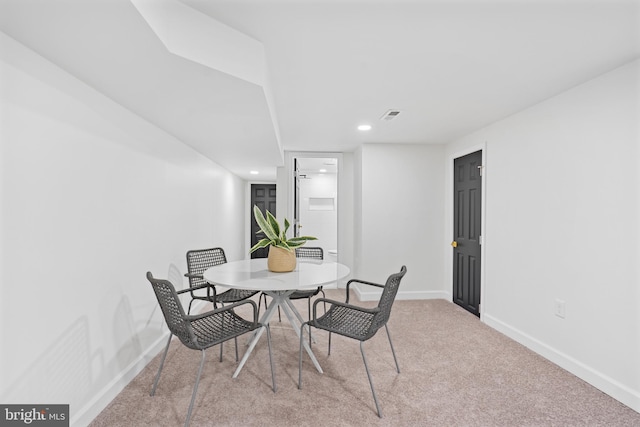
pixel 323 170
pixel 254 172
pixel 364 127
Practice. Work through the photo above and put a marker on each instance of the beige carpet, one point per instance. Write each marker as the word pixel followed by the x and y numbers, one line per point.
pixel 455 371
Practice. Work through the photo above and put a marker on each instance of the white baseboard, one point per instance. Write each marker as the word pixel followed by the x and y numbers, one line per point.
pixel 374 295
pixel 602 382
pixel 92 409
pixel 101 400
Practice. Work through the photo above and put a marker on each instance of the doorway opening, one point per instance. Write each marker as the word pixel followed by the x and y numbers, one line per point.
pixel 315 201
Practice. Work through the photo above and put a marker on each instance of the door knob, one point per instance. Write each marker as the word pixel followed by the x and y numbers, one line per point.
pixel 454 244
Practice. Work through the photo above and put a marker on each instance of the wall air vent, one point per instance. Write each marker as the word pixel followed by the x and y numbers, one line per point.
pixel 390 115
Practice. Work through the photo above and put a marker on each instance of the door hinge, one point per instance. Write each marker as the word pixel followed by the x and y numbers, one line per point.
pixel 480 240
pixel 480 169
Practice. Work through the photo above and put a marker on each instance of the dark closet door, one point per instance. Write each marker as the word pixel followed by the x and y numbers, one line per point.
pixel 263 196
pixel 466 243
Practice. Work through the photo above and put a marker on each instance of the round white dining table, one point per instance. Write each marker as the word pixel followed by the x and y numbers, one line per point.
pixel 253 274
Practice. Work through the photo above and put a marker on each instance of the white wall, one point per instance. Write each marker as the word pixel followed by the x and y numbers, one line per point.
pixel 400 198
pixel 320 221
pixel 562 222
pixel 92 198
pixel 346 219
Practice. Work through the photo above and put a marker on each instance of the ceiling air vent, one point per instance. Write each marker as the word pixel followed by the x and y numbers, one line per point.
pixel 390 115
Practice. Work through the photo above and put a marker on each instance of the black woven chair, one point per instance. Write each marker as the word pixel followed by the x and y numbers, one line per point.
pixel 311 253
pixel 357 322
pixel 202 331
pixel 198 261
pixel 303 252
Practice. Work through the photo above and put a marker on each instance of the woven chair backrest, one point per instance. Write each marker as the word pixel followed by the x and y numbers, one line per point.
pixel 172 310
pixel 309 252
pixel 387 298
pixel 200 260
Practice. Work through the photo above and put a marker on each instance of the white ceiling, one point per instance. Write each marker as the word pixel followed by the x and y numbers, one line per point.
pixel 317 165
pixel 450 67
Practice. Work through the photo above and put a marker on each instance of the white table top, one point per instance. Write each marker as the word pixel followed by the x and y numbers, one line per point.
pixel 253 274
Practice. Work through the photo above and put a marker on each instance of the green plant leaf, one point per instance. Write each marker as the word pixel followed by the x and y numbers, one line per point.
pixel 295 244
pixel 273 222
pixel 274 235
pixel 283 245
pixel 302 238
pixel 261 244
pixel 264 224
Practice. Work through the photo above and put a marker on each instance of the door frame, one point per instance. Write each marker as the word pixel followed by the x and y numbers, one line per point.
pixel 449 203
pixel 286 203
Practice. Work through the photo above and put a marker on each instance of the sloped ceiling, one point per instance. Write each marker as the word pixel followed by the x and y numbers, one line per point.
pixel 221 111
pixel 450 67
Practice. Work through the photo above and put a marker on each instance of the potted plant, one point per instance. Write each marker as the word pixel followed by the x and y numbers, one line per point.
pixel 282 255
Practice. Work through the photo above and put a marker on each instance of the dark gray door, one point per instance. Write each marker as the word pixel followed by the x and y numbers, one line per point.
pixel 466 243
pixel 263 196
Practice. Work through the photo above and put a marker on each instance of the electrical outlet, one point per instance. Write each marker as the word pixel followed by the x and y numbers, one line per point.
pixel 560 308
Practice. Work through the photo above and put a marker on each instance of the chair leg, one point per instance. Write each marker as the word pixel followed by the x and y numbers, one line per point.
pixel 309 307
pixel 329 352
pixel 260 298
pixel 164 356
pixel 392 350
pixel 300 356
pixel 259 303
pixel 189 309
pixel 273 374
pixel 324 302
pixel 366 367
pixel 195 389
pixel 235 340
pixel 222 343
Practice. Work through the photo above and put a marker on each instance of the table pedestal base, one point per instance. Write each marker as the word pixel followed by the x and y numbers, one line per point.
pixel 279 299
